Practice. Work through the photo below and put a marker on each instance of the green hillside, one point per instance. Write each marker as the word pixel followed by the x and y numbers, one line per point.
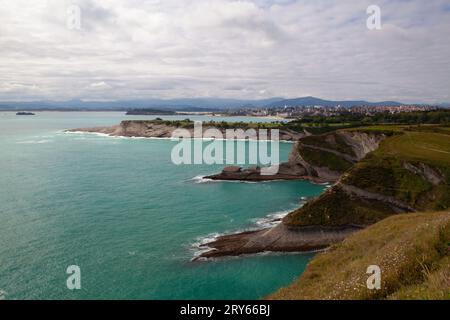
pixel 410 171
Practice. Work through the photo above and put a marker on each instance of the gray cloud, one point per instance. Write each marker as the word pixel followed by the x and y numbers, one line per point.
pixel 222 48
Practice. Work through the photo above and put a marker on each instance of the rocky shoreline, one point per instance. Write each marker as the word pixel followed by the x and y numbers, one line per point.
pixel 319 159
pixel 350 146
pixel 160 129
pixel 286 172
pixel 280 238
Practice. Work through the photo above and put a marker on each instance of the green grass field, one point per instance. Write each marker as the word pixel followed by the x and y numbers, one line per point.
pixel 428 147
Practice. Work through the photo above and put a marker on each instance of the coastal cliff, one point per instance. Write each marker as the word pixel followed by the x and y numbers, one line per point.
pixel 408 170
pixel 376 172
pixel 281 238
pixel 412 251
pixel 318 158
pixel 166 129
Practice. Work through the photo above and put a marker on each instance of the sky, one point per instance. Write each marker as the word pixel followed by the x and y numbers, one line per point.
pixel 141 49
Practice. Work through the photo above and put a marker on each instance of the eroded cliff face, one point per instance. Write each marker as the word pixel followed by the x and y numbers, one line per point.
pixel 322 158
pixel 403 175
pixel 328 156
pixel 350 145
pixel 388 175
pixel 280 238
pixel 146 129
pixel 161 129
pixel 362 143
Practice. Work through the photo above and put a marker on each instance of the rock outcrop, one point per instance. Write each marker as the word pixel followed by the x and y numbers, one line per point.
pixel 133 129
pixel 278 239
pixel 382 181
pixel 319 159
pixel 431 175
pixel 285 171
pixel 167 129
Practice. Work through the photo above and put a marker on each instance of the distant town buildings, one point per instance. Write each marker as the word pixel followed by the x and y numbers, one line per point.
pixel 327 111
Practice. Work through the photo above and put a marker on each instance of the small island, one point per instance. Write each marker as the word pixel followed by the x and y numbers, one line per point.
pixel 23 113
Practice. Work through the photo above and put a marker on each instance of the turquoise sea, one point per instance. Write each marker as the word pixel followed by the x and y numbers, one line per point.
pixel 129 218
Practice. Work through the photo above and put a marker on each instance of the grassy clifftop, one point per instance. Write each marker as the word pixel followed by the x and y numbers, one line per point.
pixel 412 250
pixel 410 171
pixel 280 125
pixel 413 167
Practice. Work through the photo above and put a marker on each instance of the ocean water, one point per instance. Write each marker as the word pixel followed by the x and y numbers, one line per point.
pixel 129 218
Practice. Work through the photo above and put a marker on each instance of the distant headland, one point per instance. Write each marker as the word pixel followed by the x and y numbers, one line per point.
pixel 199 104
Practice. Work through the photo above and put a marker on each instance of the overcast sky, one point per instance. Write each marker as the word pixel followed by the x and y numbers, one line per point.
pixel 137 49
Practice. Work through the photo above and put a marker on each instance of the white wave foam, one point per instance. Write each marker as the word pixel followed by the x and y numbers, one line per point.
pixel 2 295
pixel 201 241
pixel 73 132
pixel 199 246
pixel 35 141
pixel 98 134
pixel 202 179
pixel 106 135
pixel 84 133
pixel 271 220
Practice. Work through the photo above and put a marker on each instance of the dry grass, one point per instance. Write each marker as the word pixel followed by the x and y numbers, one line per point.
pixel 411 249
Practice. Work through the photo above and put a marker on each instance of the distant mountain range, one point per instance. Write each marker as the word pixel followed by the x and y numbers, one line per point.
pixel 312 101
pixel 194 104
